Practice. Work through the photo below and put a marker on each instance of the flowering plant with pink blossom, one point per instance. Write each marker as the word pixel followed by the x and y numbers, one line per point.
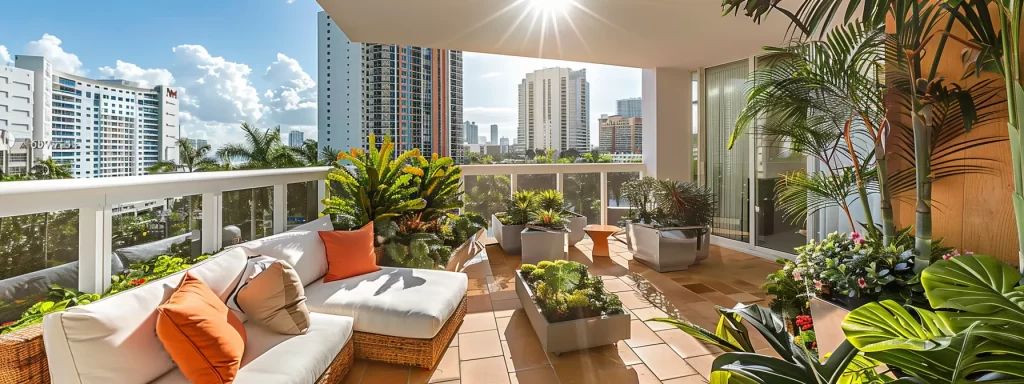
pixel 853 265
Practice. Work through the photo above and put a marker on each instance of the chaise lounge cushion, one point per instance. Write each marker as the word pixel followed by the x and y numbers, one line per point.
pixel 301 247
pixel 271 357
pixel 113 340
pixel 401 302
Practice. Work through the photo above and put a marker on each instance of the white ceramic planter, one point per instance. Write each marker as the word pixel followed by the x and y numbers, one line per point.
pixel 669 249
pixel 540 245
pixel 576 225
pixel 508 236
pixel 571 335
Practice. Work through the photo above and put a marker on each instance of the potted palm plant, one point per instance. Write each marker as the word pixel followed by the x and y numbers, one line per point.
pixel 669 223
pixel 552 200
pixel 509 224
pixel 545 236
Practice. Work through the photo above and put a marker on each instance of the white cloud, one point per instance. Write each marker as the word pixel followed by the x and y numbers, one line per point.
pixel 489 75
pixel 5 56
pixel 292 99
pixel 215 90
pixel 147 78
pixel 49 47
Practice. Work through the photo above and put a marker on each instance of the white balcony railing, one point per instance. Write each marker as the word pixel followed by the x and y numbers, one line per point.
pixel 99 200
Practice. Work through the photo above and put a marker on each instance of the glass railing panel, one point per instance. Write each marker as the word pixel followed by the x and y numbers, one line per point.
pixel 303 203
pixel 618 207
pixel 536 182
pixel 486 195
pixel 36 251
pixel 247 214
pixel 582 192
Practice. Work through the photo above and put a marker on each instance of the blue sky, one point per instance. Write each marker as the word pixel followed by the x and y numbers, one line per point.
pixel 245 60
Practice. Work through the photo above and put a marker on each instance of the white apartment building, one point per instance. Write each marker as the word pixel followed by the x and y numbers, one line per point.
pixel 17 87
pixel 554 110
pixel 295 138
pixel 198 143
pixel 99 128
pixel 412 94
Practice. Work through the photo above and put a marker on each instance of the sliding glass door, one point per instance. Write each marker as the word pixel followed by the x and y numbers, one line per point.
pixel 728 170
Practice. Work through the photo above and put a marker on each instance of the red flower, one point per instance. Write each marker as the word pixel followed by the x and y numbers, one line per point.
pixel 862 283
pixel 806 327
pixel 7 324
pixel 138 281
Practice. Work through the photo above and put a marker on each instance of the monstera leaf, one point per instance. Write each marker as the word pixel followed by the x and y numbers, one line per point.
pixel 978 289
pixel 974 336
pixel 743 367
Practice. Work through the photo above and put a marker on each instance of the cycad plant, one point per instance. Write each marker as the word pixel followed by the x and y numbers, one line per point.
pixel 518 209
pixel 549 219
pixel 377 189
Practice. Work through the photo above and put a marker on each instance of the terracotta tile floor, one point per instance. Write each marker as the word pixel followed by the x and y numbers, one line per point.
pixel 497 345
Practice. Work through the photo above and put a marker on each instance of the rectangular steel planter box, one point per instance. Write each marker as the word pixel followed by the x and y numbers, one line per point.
pixel 508 236
pixel 572 335
pixel 669 250
pixel 828 323
pixel 539 245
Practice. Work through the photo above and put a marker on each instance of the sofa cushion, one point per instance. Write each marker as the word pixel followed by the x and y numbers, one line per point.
pixel 275 298
pixel 203 338
pixel 401 302
pixel 271 357
pixel 349 253
pixel 300 247
pixel 114 340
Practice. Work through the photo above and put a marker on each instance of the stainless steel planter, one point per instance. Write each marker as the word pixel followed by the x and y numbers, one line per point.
pixel 669 249
pixel 539 245
pixel 508 236
pixel 571 335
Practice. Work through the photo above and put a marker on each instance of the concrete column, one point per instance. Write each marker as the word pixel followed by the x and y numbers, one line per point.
pixel 668 127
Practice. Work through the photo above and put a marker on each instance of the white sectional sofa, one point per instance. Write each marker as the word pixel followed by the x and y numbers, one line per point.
pixel 395 315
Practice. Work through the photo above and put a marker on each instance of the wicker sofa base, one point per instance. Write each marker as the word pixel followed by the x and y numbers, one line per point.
pixel 336 372
pixel 422 353
pixel 22 358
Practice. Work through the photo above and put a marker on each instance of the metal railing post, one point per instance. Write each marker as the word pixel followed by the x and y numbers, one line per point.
pixel 560 182
pixel 280 208
pixel 604 198
pixel 514 182
pixel 94 250
pixel 213 229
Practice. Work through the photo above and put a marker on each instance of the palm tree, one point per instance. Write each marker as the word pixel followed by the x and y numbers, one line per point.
pixel 328 154
pixel 54 170
pixel 312 155
pixel 817 97
pixel 190 159
pixel 914 46
pixel 262 149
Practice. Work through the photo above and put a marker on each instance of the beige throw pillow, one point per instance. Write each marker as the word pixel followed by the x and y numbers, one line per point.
pixel 274 296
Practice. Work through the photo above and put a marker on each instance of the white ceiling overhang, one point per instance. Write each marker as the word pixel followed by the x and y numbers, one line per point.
pixel 633 33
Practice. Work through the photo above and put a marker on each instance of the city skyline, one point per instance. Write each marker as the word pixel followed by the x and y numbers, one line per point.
pixel 267 78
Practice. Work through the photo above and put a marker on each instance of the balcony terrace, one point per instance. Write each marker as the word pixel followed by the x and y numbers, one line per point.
pixel 495 342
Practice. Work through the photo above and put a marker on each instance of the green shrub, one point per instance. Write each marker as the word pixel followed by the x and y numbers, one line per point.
pixel 565 291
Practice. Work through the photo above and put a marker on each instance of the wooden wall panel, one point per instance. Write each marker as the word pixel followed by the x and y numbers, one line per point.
pixel 972 212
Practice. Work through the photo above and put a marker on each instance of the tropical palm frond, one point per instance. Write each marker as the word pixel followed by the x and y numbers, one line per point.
pixel 799 193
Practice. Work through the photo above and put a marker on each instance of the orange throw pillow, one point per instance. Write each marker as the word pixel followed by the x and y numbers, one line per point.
pixel 349 253
pixel 202 336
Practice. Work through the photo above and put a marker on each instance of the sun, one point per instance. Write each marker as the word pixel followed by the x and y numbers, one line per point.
pixel 550 7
